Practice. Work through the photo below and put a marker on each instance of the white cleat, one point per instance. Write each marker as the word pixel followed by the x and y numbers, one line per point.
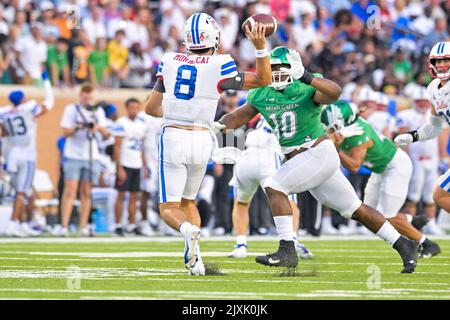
pixel 59 231
pixel 14 230
pixel 432 228
pixel 240 251
pixel 146 230
pixel 302 251
pixel 84 232
pixel 191 241
pixel 328 229
pixel 27 230
pixel 198 269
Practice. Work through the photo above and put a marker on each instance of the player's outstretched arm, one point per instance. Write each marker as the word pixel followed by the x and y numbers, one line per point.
pixel 263 75
pixel 49 100
pixel 238 117
pixel 428 131
pixel 354 159
pixel 153 106
pixel 327 91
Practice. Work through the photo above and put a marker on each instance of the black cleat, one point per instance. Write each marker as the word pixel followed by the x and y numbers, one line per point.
pixel 419 222
pixel 119 232
pixel 408 250
pixel 286 256
pixel 429 249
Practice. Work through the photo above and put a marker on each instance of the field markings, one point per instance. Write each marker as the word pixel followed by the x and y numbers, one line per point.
pixel 383 293
pixel 7 271
pixel 163 239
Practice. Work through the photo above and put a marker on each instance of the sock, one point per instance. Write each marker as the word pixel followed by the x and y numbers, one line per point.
pixel 409 217
pixel 388 233
pixel 422 240
pixel 294 236
pixel 284 227
pixel 241 239
pixel 184 227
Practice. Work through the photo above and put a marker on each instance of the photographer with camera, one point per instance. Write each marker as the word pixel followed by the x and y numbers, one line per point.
pixel 82 123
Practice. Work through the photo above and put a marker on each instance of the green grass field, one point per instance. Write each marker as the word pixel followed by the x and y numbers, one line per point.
pixel 110 268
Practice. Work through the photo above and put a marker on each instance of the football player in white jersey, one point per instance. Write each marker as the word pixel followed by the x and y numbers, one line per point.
pixel 130 132
pixel 19 125
pixel 425 159
pixel 261 159
pixel 380 119
pixel 186 95
pixel 439 96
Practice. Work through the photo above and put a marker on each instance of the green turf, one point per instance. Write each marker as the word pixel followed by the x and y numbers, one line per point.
pixel 349 269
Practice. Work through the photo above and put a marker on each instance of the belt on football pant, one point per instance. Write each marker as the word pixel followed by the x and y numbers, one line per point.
pixel 292 154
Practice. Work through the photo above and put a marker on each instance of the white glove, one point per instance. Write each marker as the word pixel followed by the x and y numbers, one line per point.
pixel 297 69
pixel 403 139
pixel 351 130
pixel 216 127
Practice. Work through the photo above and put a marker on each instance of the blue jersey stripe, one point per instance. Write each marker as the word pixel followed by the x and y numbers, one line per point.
pixel 192 30
pixel 446 181
pixel 228 64
pixel 228 71
pixel 196 27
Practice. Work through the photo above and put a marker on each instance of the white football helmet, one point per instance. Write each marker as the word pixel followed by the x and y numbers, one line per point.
pixel 201 31
pixel 441 50
pixel 381 99
pixel 420 99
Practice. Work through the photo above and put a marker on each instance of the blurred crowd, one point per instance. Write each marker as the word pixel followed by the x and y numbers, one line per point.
pixel 119 43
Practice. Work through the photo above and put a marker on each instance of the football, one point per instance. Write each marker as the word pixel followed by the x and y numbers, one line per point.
pixel 266 19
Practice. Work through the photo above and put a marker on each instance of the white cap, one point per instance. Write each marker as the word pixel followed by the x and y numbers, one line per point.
pixel 307 8
pixel 414 9
pixel 366 94
pixel 47 5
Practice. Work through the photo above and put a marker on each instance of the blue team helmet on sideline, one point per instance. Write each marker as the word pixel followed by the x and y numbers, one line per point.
pixel 16 97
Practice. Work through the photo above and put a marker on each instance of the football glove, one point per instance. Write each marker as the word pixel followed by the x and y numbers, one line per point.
pixel 406 138
pixel 351 130
pixel 297 70
pixel 216 127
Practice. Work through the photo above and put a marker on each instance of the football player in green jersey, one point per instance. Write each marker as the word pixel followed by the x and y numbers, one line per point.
pixel 359 144
pixel 292 106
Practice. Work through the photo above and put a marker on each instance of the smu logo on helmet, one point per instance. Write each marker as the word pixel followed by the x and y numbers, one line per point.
pixel 204 36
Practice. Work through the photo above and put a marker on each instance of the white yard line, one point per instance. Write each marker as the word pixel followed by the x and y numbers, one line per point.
pixel 52 240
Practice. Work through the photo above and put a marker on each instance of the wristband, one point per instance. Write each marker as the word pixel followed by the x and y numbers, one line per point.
pixel 307 77
pixel 261 53
pixel 415 135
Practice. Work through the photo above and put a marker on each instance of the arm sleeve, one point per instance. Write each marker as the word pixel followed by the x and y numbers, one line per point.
pixel 430 129
pixel 235 83
pixel 159 86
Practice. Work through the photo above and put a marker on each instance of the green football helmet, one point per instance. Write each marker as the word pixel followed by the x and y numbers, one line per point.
pixel 280 79
pixel 338 115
